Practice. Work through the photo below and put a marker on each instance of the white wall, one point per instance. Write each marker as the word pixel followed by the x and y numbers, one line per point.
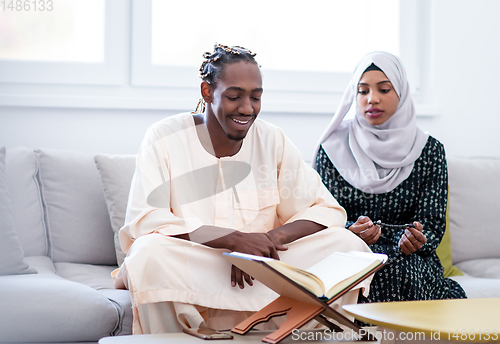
pixel 87 130
pixel 466 56
pixel 464 60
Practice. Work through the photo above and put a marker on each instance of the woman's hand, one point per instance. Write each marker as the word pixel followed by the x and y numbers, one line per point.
pixel 366 230
pixel 412 239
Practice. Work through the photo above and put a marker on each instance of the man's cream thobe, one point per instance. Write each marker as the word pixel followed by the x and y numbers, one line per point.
pixel 178 186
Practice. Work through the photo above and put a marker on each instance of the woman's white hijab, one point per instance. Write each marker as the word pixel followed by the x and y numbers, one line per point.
pixel 374 158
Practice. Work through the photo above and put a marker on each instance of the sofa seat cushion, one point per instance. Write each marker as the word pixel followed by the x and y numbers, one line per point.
pixel 99 278
pixel 49 308
pixel 476 287
pixel 482 268
pixel 94 276
pixel 77 219
pixel 121 300
pixel 42 264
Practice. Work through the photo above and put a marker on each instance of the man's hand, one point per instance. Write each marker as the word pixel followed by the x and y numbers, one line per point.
pixel 258 244
pixel 412 239
pixel 366 230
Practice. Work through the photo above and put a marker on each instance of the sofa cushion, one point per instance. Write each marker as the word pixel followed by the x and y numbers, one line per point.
pixel 473 207
pixel 99 278
pixel 49 308
pixel 42 264
pixel 77 219
pixel 443 251
pixel 121 300
pixel 11 252
pixel 482 268
pixel 27 210
pixel 445 256
pixel 95 276
pixel 476 288
pixel 116 172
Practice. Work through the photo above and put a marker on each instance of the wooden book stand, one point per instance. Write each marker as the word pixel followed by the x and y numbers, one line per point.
pixel 298 313
pixel 299 305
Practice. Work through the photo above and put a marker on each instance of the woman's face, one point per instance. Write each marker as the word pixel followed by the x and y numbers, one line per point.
pixel 377 100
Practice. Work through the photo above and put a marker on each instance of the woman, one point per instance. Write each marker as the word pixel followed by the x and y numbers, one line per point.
pixel 381 167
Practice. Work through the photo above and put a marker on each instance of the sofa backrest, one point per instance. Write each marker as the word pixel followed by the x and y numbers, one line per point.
pixel 26 202
pixel 60 211
pixel 58 206
pixel 474 205
pixel 76 216
pixel 116 173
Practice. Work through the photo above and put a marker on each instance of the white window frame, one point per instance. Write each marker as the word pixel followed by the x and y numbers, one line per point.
pixel 128 80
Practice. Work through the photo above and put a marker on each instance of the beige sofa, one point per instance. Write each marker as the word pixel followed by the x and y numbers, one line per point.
pixel 474 206
pixel 67 207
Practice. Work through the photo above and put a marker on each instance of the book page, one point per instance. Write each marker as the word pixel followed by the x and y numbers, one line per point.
pixel 307 280
pixel 369 255
pixel 281 283
pixel 338 267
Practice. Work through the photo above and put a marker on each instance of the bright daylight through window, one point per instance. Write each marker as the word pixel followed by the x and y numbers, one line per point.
pixel 317 35
pixel 59 30
pixel 152 49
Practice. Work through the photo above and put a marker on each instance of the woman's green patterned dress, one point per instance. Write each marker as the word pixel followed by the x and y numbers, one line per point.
pixel 421 197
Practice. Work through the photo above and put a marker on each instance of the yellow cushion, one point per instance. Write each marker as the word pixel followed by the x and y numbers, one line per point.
pixel 444 250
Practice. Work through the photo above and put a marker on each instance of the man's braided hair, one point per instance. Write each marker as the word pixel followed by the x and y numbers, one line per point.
pixel 213 64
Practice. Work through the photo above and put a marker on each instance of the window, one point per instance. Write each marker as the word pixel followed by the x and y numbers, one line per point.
pixel 291 35
pixel 302 46
pixel 145 54
pixel 307 50
pixel 63 41
pixel 61 34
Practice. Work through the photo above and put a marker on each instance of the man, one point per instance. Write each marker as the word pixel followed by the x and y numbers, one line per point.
pixel 215 182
